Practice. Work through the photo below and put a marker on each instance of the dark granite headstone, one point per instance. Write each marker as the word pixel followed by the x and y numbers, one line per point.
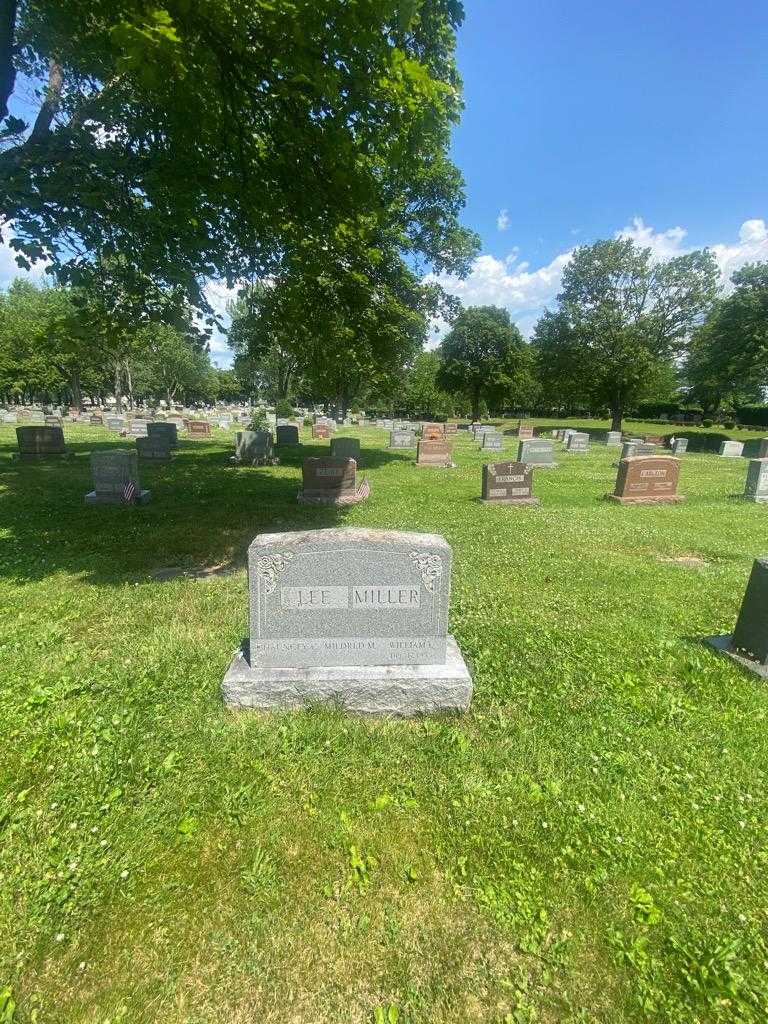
pixel 164 433
pixel 508 483
pixel 345 448
pixel 287 434
pixel 748 645
pixel 116 479
pixel 40 442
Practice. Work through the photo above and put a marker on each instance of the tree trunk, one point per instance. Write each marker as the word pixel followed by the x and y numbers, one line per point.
pixel 7 67
pixel 118 390
pixel 129 384
pixel 77 391
pixel 475 406
pixel 617 415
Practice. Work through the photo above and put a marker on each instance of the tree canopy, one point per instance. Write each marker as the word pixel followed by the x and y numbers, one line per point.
pixel 622 316
pixel 484 356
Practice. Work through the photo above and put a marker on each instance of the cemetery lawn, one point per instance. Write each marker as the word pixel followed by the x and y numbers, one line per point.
pixel 587 845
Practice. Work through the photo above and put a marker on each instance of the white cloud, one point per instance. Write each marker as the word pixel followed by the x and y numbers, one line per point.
pixel 502 221
pixel 9 268
pixel 527 292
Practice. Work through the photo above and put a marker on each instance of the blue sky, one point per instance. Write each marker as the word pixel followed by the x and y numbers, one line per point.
pixel 590 119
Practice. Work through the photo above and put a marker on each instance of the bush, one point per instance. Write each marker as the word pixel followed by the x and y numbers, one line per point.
pixel 697 441
pixel 729 424
pixel 258 420
pixel 754 415
pixel 706 423
pixel 284 409
pixel 307 421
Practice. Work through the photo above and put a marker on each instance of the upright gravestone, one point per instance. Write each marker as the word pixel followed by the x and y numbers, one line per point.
pixel 647 480
pixel 287 434
pixel 524 433
pixel 331 482
pixel 646 448
pixel 164 433
pixel 115 424
pixel 253 447
pixel 321 431
pixel 345 448
pixel 628 449
pixel 748 645
pixel 731 449
pixel 116 479
pixel 96 419
pixel 614 439
pixel 763 450
pixel 756 487
pixel 138 428
pixel 198 428
pixel 492 440
pixel 402 439
pixel 434 453
pixel 578 442
pixel 356 618
pixel 450 428
pixel 54 421
pixel 154 447
pixel 679 445
pixel 432 432
pixel 508 483
pixel 40 442
pixel 537 452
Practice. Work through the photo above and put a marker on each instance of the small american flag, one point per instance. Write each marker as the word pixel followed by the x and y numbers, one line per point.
pixel 129 493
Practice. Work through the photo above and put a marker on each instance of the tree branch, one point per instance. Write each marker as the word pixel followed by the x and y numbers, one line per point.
pixel 7 50
pixel 50 105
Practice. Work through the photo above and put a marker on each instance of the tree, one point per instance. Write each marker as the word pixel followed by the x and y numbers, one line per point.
pixel 171 364
pixel 231 140
pixel 727 358
pixel 484 355
pixel 622 318
pixel 422 397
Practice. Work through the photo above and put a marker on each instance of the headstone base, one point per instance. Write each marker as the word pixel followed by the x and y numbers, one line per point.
pixel 36 456
pixel 390 690
pixel 361 494
pixel 510 501
pixel 261 460
pixel 662 499
pixel 723 644
pixel 435 465
pixel 92 498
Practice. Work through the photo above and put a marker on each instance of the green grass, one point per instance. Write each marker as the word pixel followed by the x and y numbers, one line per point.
pixel 588 844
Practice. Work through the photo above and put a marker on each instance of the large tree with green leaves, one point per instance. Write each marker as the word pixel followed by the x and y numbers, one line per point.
pixel 485 357
pixel 622 317
pixel 230 138
pixel 727 359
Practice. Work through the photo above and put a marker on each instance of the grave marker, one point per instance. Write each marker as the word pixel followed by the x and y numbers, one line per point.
pixel 493 440
pixel 331 482
pixel 537 452
pixel 434 453
pixel 756 487
pixel 679 445
pixel 731 450
pixel 647 480
pixel 748 644
pixel 287 434
pixel 352 617
pixel 402 439
pixel 164 433
pixel 153 447
pixel 345 448
pixel 40 442
pixel 116 479
pixel 614 439
pixel 432 432
pixel 508 483
pixel 578 443
pixel 198 428
pixel 254 447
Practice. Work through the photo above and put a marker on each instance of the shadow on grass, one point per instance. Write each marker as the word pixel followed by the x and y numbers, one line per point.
pixel 204 512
